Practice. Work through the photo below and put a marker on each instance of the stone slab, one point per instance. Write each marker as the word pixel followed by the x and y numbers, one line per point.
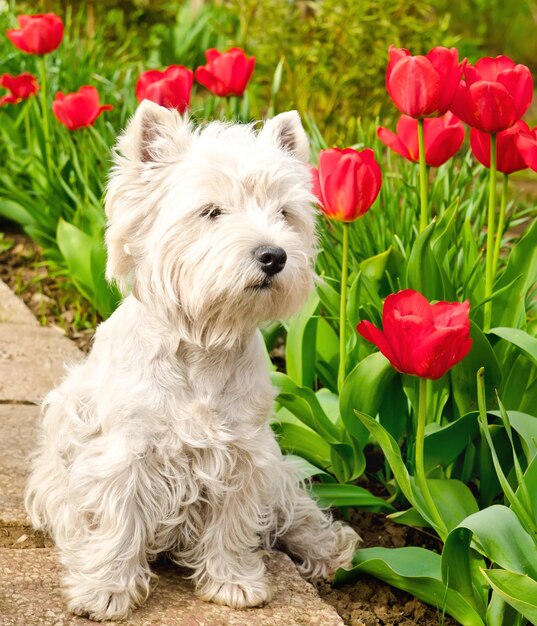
pixel 32 361
pixel 30 596
pixel 18 424
pixel 12 309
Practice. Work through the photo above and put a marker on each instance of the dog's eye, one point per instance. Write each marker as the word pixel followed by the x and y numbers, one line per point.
pixel 212 211
pixel 284 213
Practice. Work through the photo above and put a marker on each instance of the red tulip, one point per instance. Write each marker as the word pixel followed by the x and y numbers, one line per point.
pixel 508 159
pixel 170 88
pixel 494 95
pixel 443 137
pixel 226 73
pixel 421 339
pixel 527 146
pixel 21 87
pixel 38 34
pixel 78 109
pixel 346 183
pixel 423 86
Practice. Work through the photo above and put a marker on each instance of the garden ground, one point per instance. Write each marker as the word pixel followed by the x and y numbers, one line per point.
pixel 30 362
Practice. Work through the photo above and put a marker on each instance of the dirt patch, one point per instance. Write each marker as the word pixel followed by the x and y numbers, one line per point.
pixel 52 299
pixel 19 536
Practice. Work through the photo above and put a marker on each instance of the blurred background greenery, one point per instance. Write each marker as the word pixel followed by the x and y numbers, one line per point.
pixel 333 52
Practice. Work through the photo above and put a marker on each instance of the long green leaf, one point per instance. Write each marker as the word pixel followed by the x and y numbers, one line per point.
pixel 518 590
pixel 520 339
pixel 349 495
pixel 415 570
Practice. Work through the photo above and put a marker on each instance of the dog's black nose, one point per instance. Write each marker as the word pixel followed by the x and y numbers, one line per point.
pixel 271 259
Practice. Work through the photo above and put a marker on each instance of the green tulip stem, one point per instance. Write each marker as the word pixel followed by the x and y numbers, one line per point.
pixel 343 307
pixel 489 267
pixel 424 200
pixel 420 479
pixel 45 112
pixel 27 130
pixel 501 225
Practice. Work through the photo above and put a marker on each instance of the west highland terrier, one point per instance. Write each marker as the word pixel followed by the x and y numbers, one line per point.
pixel 160 440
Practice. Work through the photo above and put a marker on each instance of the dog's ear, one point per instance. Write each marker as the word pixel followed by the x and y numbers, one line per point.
pixel 286 131
pixel 154 134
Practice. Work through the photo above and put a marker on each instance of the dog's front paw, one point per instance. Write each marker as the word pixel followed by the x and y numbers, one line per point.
pixel 102 607
pixel 237 595
pixel 326 558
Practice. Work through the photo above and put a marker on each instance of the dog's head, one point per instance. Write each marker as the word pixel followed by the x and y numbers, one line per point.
pixel 212 227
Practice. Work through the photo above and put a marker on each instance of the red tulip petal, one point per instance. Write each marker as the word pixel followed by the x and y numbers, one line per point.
pixel 407 131
pixel 446 63
pixel 340 192
pixel 493 108
pixel 394 56
pixel 414 86
pixel 441 141
pixel 144 81
pixel 440 351
pixel 462 105
pixel 328 160
pixel 449 314
pixel 489 67
pixel 8 99
pixel 519 84
pixel 393 142
pixel 480 144
pixel 527 145
pixel 211 55
pixel 371 333
pixel 17 39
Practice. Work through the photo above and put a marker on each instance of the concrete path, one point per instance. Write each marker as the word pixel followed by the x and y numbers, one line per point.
pixel 31 362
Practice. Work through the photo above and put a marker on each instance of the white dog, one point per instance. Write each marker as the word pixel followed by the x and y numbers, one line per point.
pixel 159 441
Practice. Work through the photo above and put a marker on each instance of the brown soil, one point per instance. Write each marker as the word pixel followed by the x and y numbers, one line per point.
pixel 368 602
pixel 53 300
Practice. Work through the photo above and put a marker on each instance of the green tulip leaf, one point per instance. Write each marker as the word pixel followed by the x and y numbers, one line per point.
pixel 464 373
pixel 524 342
pixel 416 571
pixel 295 439
pixel 453 500
pixel 499 536
pixel 508 309
pixel 300 343
pixel 423 272
pixel 349 495
pixel 443 446
pixel 364 390
pixel 518 590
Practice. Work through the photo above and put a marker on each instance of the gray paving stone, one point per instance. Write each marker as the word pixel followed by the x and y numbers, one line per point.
pixel 30 596
pixel 18 424
pixel 12 309
pixel 31 361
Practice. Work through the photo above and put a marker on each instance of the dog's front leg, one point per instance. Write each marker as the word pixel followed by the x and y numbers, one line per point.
pixel 229 566
pixel 102 545
pixel 320 544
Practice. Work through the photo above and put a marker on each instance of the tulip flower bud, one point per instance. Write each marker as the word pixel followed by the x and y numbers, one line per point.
pixel 170 88
pixel 346 183
pixel 78 109
pixel 38 34
pixel 226 73
pixel 419 338
pixel 21 87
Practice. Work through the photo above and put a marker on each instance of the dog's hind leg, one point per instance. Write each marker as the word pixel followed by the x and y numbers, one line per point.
pixel 320 544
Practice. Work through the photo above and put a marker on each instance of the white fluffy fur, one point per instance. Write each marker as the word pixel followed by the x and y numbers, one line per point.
pixel 159 441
